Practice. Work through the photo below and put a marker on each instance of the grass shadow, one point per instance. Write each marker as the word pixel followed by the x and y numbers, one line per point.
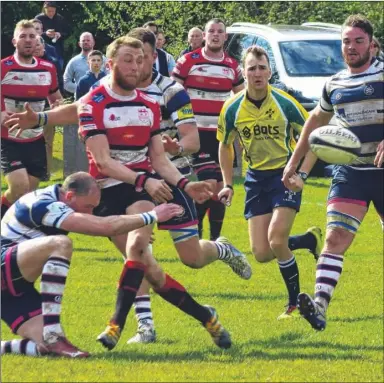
pixel 242 297
pixel 358 319
pixel 86 249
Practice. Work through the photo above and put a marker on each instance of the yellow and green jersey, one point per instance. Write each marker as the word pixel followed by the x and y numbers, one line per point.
pixel 266 133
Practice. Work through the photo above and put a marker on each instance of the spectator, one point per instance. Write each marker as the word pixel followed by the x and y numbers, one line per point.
pixel 195 40
pixel 164 60
pixel 49 49
pixel 55 28
pixel 77 66
pixel 161 40
pixel 95 73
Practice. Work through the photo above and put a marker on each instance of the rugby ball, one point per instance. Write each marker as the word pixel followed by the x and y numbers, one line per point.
pixel 335 145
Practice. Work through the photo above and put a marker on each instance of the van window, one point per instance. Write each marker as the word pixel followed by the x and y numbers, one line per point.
pixel 239 43
pixel 312 57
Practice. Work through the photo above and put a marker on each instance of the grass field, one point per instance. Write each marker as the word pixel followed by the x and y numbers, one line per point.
pixel 264 349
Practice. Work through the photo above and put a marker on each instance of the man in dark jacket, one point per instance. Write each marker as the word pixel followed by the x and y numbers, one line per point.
pixel 55 28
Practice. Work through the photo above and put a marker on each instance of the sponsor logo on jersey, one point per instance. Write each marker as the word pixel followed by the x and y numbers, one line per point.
pixel 98 97
pixel 42 77
pixel 225 71
pixel 15 163
pixel 228 60
pixel 86 118
pixel 88 127
pixel 85 108
pixel 195 55
pixel 270 112
pixel 338 96
pixel 8 62
pixel 113 117
pixel 185 112
pixel 202 69
pixel 17 78
pixel 46 63
pixel 369 90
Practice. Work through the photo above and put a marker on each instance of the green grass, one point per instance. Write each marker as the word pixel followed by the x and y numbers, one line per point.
pixel 264 350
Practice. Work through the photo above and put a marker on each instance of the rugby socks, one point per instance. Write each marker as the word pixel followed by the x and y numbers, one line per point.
pixel 290 273
pixel 304 241
pixel 216 217
pixel 142 305
pixel 174 293
pixel 328 271
pixel 5 205
pixel 19 347
pixel 224 251
pixel 129 283
pixel 52 286
pixel 201 209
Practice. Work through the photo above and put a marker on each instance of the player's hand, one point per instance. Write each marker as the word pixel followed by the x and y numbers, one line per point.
pixel 5 116
pixel 199 191
pixel 167 211
pixel 295 183
pixel 289 171
pixel 158 190
pixel 171 146
pixel 57 35
pixel 225 196
pixel 379 159
pixel 22 121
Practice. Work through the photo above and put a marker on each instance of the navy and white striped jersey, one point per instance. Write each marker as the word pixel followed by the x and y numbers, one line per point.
pixel 358 104
pixel 175 105
pixel 36 214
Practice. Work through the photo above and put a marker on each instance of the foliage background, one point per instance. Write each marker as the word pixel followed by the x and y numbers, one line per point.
pixel 110 19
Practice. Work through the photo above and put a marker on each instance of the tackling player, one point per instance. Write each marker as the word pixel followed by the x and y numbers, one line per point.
pixel 34 244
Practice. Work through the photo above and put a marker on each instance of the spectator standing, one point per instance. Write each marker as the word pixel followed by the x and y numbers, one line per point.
pixel 49 49
pixel 195 40
pixel 377 52
pixel 55 28
pixel 77 66
pixel 95 73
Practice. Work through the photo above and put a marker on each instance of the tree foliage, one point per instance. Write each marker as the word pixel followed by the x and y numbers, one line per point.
pixel 110 19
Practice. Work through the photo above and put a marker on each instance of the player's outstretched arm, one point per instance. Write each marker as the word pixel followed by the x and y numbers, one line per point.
pixel 59 116
pixel 118 224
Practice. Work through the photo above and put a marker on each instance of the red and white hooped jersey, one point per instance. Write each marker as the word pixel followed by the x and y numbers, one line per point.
pixel 209 83
pixel 129 122
pixel 22 83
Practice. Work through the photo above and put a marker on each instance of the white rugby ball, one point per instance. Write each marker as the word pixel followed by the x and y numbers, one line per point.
pixel 335 145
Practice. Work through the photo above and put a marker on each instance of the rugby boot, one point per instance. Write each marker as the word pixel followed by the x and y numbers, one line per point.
pixel 311 311
pixel 110 336
pixel 59 345
pixel 237 260
pixel 145 334
pixel 289 313
pixel 219 334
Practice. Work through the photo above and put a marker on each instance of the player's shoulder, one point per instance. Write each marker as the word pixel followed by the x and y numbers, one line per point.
pixel 147 100
pixel 95 96
pixel 8 61
pixel 44 63
pixel 230 61
pixel 233 103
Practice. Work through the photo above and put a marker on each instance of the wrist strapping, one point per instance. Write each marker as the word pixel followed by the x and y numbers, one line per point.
pixel 140 181
pixel 182 183
pixel 42 118
pixel 149 218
